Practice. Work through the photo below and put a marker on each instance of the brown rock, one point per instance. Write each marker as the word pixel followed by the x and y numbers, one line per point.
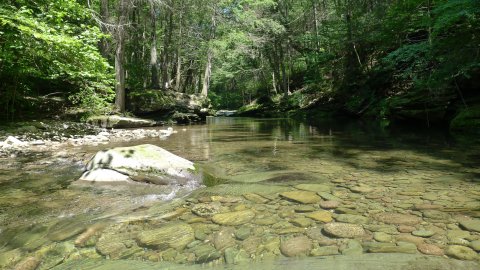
pixel 430 249
pixel 322 216
pixel 406 229
pixel 398 219
pixel 305 197
pixel 329 204
pixel 297 246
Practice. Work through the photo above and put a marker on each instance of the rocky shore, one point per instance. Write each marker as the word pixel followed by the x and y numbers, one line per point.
pixel 40 136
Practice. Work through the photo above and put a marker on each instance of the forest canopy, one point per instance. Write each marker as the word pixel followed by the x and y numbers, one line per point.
pixel 414 59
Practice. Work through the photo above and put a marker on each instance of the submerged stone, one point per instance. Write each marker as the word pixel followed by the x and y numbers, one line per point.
pixel 398 219
pixel 471 225
pixel 174 235
pixel 344 230
pixel 314 187
pixel 297 246
pixel 322 216
pixel 305 197
pixel 461 252
pixel 234 218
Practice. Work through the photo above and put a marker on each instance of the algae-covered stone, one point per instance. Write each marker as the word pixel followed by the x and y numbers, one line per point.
pixel 344 230
pixel 382 237
pixel 354 247
pixel 471 225
pixel 297 246
pixel 324 251
pixel 115 121
pixel 329 204
pixel 205 253
pixel 243 233
pixel 234 218
pixel 301 222
pixel 398 218
pixel 423 233
pixel 408 248
pixel 174 235
pixel 305 197
pixel 224 239
pixel 461 252
pixel 255 198
pixel 314 187
pixel 348 218
pixel 322 216
pixel 303 208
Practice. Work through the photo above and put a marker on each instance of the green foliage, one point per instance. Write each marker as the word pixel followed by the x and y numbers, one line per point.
pixel 50 47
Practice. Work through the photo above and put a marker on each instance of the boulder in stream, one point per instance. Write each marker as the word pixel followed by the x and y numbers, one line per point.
pixel 116 121
pixel 142 163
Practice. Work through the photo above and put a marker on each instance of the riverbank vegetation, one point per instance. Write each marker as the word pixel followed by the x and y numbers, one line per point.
pixel 409 59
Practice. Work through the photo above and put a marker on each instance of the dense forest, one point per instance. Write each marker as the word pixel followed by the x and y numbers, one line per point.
pixel 384 59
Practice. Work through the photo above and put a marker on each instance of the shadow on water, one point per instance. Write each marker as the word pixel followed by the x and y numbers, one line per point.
pixel 353 144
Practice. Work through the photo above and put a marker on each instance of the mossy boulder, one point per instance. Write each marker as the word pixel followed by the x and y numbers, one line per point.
pixel 468 118
pixel 143 163
pixel 116 121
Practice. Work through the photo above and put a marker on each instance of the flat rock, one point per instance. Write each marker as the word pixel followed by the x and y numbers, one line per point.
pixel 423 233
pixel 461 252
pixel 344 230
pixel 361 189
pixel 314 187
pixel 305 197
pixel 430 249
pixel 354 247
pixel 322 216
pixel 302 222
pixel 329 204
pixel 224 239
pixel 205 209
pixel 304 208
pixel 115 121
pixel 173 235
pixel 382 237
pixel 296 246
pixel 234 218
pixel 398 219
pixel 205 253
pixel 471 225
pixel 408 248
pixel 325 251
pixel 348 218
pixel 255 198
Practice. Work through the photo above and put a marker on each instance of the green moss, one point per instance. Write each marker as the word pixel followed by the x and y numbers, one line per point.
pixel 468 118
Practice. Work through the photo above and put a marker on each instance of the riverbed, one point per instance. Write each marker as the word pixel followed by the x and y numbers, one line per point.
pixel 280 189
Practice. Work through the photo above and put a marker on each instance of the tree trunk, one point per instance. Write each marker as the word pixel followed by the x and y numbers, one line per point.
pixel 178 76
pixel 208 66
pixel 155 83
pixel 104 18
pixel 207 74
pixel 120 57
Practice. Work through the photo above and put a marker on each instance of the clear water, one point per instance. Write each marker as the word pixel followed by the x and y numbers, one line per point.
pixel 40 204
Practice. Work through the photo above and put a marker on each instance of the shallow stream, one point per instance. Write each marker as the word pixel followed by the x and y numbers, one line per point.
pixel 276 186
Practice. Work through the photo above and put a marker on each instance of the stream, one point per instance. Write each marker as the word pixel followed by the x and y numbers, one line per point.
pixel 276 185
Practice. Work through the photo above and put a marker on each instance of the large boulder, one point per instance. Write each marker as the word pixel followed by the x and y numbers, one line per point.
pixel 143 163
pixel 116 121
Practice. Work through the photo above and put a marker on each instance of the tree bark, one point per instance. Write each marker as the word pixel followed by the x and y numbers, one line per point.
pixel 104 14
pixel 207 74
pixel 155 83
pixel 120 57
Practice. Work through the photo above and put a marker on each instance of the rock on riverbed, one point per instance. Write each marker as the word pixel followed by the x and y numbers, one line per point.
pixel 142 163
